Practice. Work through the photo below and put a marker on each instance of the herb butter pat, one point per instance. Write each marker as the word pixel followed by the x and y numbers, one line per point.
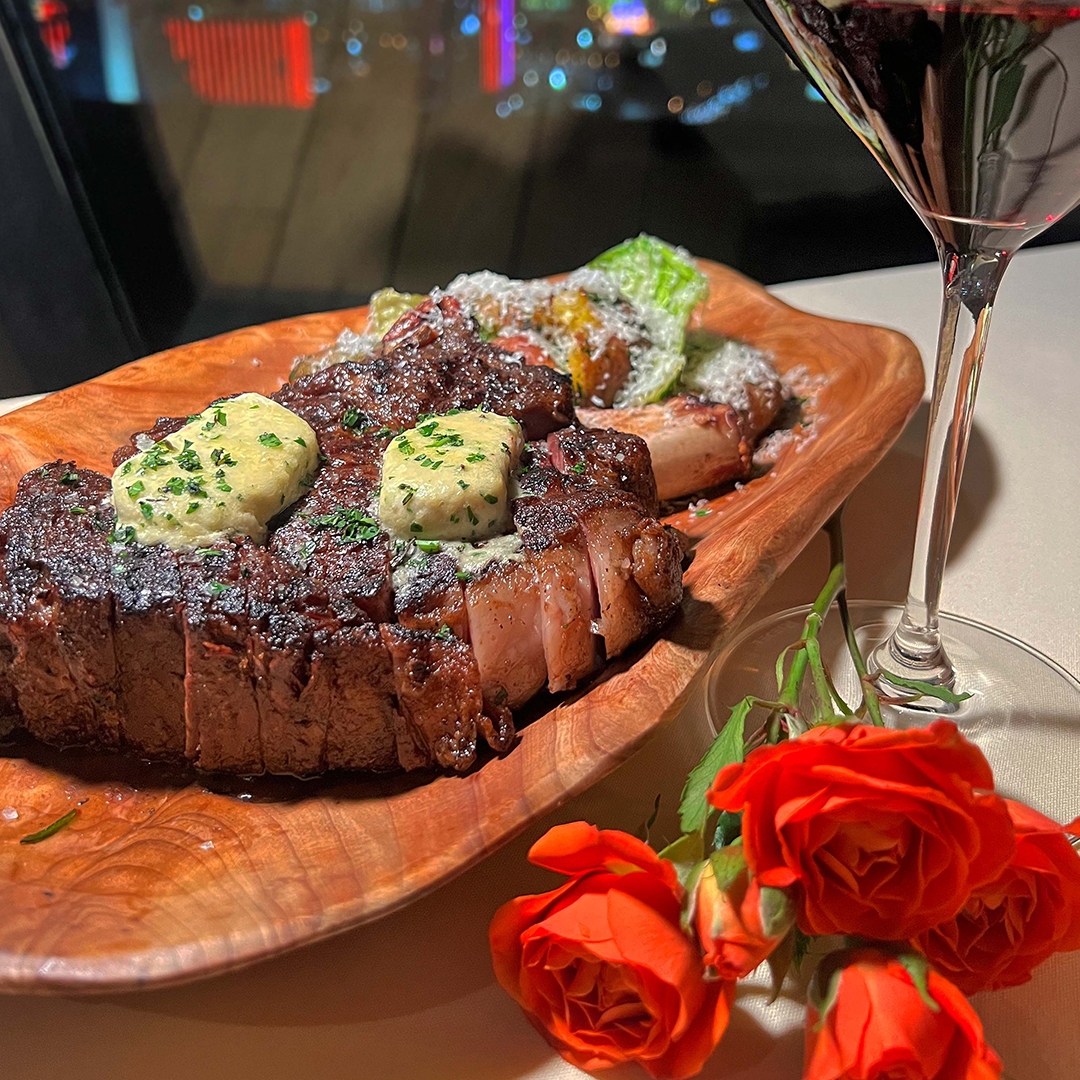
pixel 448 478
pixel 226 472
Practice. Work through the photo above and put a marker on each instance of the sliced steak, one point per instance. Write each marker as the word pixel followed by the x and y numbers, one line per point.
pixel 445 367
pixel 634 560
pixel 326 536
pixel 430 597
pixel 555 544
pixel 221 712
pixel 503 603
pixel 629 551
pixel 58 608
pixel 434 675
pixel 149 640
pixel 600 456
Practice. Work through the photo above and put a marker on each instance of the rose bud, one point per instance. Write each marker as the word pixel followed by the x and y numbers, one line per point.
pixel 1010 926
pixel 872 1016
pixel 738 921
pixel 881 834
pixel 601 965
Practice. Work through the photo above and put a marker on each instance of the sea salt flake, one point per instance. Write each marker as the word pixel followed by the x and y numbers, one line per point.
pixel 9 813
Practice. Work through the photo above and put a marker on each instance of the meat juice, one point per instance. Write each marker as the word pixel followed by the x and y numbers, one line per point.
pixel 972 108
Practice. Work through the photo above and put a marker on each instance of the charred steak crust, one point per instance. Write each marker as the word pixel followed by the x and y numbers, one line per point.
pixel 302 656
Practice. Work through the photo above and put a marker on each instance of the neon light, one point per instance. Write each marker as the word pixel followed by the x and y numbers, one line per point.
pixel 747 41
pixel 498 57
pixel 507 52
pixel 630 18
pixel 55 30
pixel 246 61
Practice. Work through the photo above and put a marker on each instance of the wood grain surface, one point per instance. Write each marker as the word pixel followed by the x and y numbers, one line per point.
pixel 166 876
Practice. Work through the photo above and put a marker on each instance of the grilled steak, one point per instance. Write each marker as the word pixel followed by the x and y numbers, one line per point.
pixel 335 646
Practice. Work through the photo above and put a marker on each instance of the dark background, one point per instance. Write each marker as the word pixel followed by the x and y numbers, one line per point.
pixel 142 205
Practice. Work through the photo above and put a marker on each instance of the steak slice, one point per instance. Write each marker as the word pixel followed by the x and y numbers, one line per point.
pixel 439 695
pixel 57 605
pixel 222 716
pixel 635 560
pixel 325 538
pixel 430 596
pixel 149 639
pixel 604 456
pixel 555 544
pixel 442 365
pixel 503 603
pixel 352 688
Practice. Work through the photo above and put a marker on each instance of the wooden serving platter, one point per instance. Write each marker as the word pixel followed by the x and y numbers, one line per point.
pixel 161 879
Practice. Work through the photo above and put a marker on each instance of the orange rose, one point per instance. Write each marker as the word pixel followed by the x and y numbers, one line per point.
pixel 600 964
pixel 884 833
pixel 869 1021
pixel 738 921
pixel 1013 924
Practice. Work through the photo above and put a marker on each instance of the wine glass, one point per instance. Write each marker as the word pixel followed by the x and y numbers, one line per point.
pixel 972 107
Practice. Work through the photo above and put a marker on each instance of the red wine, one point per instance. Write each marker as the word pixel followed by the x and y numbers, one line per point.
pixel 973 108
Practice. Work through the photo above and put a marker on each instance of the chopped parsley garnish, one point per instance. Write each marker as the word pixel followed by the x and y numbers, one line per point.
pixel 70 478
pixel 404 446
pixel 146 510
pixel 53 829
pixel 501 695
pixel 222 486
pixel 221 457
pixel 463 575
pixel 430 546
pixel 124 535
pixel 173 486
pixel 416 527
pixel 188 458
pixel 578 468
pixel 268 438
pixel 461 484
pixel 193 487
pixel 352 419
pixel 473 519
pixel 220 417
pixel 217 588
pixel 352 525
pixel 476 456
pixel 155 458
pixel 444 633
pixel 78 509
pixel 451 438
pixel 300 442
pixel 136 489
pixel 489 498
pixel 428 429
pixel 192 507
pixel 204 552
pixel 410 491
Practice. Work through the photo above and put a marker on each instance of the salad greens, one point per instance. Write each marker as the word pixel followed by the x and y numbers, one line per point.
pixel 665 286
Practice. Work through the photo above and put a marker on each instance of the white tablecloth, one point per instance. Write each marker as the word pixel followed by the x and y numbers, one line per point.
pixel 413 996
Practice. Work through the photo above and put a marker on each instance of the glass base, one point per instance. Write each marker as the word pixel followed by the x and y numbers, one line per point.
pixel 1024 712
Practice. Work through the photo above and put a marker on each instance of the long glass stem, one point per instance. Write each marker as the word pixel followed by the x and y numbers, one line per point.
pixel 971 282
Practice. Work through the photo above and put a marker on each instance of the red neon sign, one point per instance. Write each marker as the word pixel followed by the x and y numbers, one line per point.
pixel 245 62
